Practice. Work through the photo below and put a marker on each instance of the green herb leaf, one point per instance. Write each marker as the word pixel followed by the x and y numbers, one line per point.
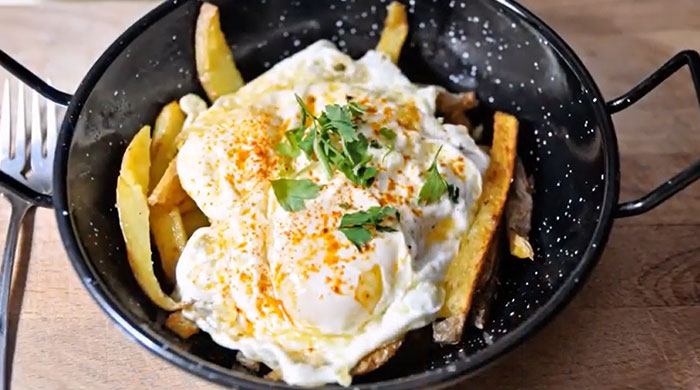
pixel 291 147
pixel 389 137
pixel 355 225
pixel 339 119
pixel 436 186
pixel 357 235
pixel 356 109
pixel 305 113
pixel 286 150
pixel 292 193
pixel 389 134
pixel 307 144
pixel 322 142
pixel 344 205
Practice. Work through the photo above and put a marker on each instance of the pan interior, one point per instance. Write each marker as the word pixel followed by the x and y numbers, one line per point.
pixel 480 45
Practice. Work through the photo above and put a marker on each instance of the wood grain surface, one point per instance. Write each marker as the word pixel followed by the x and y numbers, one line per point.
pixel 635 325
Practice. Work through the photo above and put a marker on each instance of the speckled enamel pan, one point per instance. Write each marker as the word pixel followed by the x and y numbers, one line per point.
pixel 495 47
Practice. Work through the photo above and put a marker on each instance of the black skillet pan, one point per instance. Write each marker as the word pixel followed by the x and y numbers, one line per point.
pixel 496 47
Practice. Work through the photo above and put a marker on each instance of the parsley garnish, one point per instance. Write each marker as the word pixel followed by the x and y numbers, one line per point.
pixel 356 226
pixel 334 140
pixel 356 109
pixel 292 193
pixel 389 137
pixel 436 186
pixel 291 148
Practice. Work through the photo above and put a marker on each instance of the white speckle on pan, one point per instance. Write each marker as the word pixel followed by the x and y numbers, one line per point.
pixel 64 213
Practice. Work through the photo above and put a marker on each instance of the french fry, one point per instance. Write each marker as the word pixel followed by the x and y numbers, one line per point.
pixel 193 220
pixel 215 66
pixel 187 205
pixel 132 207
pixel 518 214
pixel 168 192
pixel 170 237
pixel 180 325
pixel 163 148
pixel 376 358
pixel 136 161
pixel 465 268
pixel 394 32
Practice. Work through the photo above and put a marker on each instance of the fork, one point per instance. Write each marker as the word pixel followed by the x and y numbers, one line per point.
pixel 30 166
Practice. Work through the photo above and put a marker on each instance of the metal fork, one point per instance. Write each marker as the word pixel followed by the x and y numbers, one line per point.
pixel 31 166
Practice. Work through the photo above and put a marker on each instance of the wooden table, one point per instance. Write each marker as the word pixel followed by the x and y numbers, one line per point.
pixel 636 324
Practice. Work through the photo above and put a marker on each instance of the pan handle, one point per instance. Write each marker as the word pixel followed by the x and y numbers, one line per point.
pixel 32 80
pixel 7 183
pixel 688 175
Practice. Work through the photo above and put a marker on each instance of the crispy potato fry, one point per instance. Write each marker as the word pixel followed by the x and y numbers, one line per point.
pixel 217 71
pixel 376 358
pixel 136 161
pixel 465 268
pixel 180 325
pixel 274 376
pixel 395 31
pixel 133 217
pixel 168 192
pixel 163 148
pixel 486 284
pixel 169 234
pixel 453 106
pixel 519 213
pixel 193 220
pixel 249 364
pixel 187 205
pixel 449 330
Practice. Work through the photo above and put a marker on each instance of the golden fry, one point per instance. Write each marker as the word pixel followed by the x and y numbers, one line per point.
pixel 193 220
pixel 168 192
pixel 187 205
pixel 518 213
pixel 465 268
pixel 180 325
pixel 170 237
pixel 136 161
pixel 133 217
pixel 520 246
pixel 376 358
pixel 163 148
pixel 395 31
pixel 217 71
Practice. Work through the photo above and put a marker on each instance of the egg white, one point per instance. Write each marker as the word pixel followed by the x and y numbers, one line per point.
pixel 289 289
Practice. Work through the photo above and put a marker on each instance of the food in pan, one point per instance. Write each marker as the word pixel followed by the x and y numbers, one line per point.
pixel 312 217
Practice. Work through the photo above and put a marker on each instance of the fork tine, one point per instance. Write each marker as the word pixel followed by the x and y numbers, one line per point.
pixel 5 129
pixel 51 129
pixel 20 131
pixel 36 153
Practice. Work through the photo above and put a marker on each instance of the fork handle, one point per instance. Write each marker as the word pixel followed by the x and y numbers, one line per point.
pixel 19 210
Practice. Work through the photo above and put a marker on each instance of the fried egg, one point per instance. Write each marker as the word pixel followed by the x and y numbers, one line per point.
pixel 289 289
